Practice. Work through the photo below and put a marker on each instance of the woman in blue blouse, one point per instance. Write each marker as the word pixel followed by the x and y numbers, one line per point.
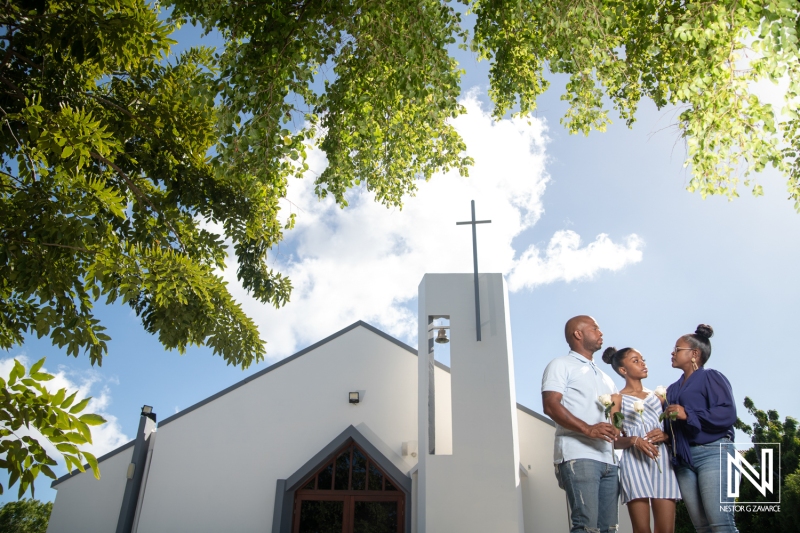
pixel 704 412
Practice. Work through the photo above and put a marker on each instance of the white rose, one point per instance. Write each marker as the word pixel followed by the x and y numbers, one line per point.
pixel 605 399
pixel 661 392
pixel 638 406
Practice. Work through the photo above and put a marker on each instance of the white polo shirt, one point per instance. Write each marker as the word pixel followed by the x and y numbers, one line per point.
pixel 581 382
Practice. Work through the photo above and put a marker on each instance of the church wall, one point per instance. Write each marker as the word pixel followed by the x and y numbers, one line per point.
pixel 91 505
pixel 215 468
pixel 444 412
pixel 543 503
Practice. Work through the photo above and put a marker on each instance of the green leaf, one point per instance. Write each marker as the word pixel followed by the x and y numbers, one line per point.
pixel 37 365
pixel 84 430
pixel 16 372
pixel 75 438
pixel 47 471
pixel 618 419
pixel 80 406
pixel 68 401
pixel 92 419
pixel 92 464
pixel 59 397
pixel 13 478
pixel 67 448
pixel 72 462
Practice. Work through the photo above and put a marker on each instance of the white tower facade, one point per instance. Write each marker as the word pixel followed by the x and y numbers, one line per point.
pixel 470 483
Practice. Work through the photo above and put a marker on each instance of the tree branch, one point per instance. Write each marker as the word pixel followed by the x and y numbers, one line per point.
pixel 139 194
pixel 18 94
pixel 112 104
pixel 24 59
pixel 52 245
pixel 19 144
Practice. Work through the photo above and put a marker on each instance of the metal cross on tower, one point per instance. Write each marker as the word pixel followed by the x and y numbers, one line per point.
pixel 473 222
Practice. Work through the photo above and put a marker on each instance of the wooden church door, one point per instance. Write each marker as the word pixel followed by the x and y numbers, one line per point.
pixel 350 494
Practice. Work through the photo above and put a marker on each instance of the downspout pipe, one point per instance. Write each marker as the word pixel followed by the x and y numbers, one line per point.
pixel 136 470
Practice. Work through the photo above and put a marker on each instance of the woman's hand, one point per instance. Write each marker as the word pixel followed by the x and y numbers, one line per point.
pixel 680 413
pixel 656 436
pixel 650 450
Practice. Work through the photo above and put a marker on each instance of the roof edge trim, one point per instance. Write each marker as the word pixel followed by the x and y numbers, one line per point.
pixel 535 415
pixel 100 459
pixel 289 359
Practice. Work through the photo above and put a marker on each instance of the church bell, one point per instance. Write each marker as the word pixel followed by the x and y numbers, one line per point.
pixel 441 337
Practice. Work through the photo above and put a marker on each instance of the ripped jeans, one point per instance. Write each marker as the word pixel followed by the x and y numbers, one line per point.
pixel 592 491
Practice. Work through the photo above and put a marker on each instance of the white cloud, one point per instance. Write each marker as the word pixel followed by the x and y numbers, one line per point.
pixel 366 261
pixel 565 260
pixel 104 438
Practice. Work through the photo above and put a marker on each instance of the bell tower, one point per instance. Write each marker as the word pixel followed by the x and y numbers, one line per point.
pixel 470 483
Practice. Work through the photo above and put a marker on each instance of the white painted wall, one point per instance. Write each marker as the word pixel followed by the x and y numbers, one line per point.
pixel 88 505
pixel 214 469
pixel 444 413
pixel 544 504
pixel 477 488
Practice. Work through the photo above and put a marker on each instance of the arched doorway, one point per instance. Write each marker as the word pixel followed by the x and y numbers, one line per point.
pixel 349 494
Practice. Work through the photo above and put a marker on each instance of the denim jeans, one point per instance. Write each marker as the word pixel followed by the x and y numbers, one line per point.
pixel 701 490
pixel 592 491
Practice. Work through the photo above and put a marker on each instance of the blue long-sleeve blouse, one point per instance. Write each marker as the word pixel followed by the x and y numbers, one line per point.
pixel 707 398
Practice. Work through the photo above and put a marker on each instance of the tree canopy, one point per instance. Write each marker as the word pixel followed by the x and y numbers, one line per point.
pixel 376 83
pixel 702 57
pixel 25 516
pixel 769 431
pixel 130 174
pixel 107 184
pixel 106 192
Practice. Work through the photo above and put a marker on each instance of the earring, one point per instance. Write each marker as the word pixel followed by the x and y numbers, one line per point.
pixel 694 364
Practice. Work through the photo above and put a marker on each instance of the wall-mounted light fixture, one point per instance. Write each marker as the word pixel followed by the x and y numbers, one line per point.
pixel 409 448
pixel 354 397
pixel 147 411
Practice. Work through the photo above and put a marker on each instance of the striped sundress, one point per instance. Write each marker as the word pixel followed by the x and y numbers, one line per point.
pixel 640 475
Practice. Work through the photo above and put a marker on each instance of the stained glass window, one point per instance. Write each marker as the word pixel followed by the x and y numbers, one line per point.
pixel 349 494
pixel 351 469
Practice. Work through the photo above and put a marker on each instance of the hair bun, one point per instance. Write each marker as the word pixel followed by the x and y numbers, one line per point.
pixel 608 353
pixel 704 330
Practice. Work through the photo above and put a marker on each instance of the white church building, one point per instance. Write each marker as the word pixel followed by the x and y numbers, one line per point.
pixel 358 433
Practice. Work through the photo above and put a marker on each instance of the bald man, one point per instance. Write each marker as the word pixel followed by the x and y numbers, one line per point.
pixel 584 446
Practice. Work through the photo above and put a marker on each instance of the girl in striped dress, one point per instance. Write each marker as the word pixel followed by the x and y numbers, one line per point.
pixel 648 480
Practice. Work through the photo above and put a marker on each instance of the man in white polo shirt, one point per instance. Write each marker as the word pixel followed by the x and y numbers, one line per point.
pixel 584 447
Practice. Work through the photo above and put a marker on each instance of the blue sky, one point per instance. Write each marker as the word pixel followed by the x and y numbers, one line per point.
pixel 669 262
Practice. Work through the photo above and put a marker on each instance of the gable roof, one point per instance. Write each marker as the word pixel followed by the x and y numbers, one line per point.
pixel 289 359
pixel 279 364
pixel 250 378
